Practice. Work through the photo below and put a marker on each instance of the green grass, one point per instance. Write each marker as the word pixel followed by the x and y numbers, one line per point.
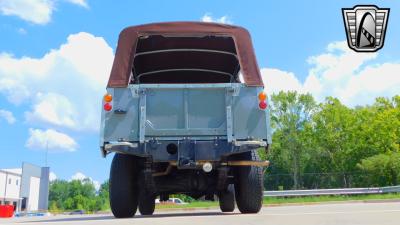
pixel 307 199
pixel 291 200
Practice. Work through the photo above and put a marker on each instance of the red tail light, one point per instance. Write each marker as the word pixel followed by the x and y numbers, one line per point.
pixel 107 106
pixel 262 105
pixel 262 97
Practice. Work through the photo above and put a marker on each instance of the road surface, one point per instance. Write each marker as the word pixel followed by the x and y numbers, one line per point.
pixel 341 214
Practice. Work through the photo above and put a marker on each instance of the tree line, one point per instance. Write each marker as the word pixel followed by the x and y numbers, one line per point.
pixel 331 145
pixel 78 194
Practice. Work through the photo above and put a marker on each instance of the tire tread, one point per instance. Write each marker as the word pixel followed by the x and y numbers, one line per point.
pixel 249 186
pixel 123 188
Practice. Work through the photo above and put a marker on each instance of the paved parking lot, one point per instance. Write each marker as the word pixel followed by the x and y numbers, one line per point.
pixel 387 213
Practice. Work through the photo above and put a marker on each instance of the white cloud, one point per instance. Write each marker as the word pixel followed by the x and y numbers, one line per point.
pixel 82 3
pixel 64 87
pixel 342 73
pixel 54 109
pixel 52 176
pixel 22 31
pixel 35 11
pixel 277 80
pixel 7 115
pixel 50 139
pixel 80 176
pixel 14 91
pixel 208 18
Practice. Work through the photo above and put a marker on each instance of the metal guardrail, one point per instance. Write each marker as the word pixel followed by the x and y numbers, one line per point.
pixel 342 191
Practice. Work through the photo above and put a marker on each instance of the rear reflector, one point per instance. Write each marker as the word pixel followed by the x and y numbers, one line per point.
pixel 262 105
pixel 107 106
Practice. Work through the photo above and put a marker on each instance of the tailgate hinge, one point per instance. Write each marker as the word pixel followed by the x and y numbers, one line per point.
pixel 134 91
pixel 234 89
pixel 142 116
pixel 229 127
pixel 229 121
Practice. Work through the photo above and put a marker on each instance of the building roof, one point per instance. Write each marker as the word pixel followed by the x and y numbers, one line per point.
pixel 15 171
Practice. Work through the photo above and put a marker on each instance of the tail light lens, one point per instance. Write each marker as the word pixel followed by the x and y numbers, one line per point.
pixel 262 97
pixel 107 106
pixel 108 98
pixel 262 105
pixel 107 102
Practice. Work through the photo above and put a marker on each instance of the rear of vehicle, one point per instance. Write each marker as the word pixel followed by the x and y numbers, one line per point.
pixel 180 119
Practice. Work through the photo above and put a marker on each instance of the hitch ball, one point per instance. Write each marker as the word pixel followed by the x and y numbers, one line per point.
pixel 207 167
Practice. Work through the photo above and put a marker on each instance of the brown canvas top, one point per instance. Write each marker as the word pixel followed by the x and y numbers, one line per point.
pixel 128 38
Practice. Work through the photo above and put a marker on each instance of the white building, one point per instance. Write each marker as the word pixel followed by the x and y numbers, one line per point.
pixel 26 188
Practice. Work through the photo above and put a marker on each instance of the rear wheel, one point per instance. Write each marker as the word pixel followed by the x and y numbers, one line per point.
pixel 249 185
pixel 123 186
pixel 147 204
pixel 227 199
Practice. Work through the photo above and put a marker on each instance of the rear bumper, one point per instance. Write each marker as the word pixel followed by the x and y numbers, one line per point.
pixel 186 150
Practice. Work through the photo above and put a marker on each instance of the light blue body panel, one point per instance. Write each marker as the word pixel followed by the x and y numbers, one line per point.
pixel 146 112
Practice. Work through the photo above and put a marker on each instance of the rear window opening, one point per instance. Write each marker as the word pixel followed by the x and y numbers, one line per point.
pixel 201 59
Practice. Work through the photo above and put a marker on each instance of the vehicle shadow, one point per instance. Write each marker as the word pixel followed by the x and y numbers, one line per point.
pixel 163 215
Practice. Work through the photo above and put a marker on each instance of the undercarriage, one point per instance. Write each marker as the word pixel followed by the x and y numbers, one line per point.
pixel 135 182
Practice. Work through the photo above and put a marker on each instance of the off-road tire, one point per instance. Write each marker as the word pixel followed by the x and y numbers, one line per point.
pixel 249 185
pixel 123 186
pixel 227 199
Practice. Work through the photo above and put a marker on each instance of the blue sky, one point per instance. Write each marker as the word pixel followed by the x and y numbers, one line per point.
pixel 55 57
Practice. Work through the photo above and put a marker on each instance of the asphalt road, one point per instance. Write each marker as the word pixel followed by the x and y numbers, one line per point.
pixel 341 214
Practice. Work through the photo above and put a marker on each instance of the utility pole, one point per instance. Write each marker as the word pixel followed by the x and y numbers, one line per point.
pixel 5 188
pixel 47 151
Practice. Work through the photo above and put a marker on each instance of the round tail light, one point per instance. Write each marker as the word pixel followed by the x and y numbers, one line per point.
pixel 262 96
pixel 262 105
pixel 107 107
pixel 107 98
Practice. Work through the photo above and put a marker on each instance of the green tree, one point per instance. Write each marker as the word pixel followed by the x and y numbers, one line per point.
pixel 103 195
pixel 332 145
pixel 58 194
pixel 77 194
pixel 382 169
pixel 333 135
pixel 290 116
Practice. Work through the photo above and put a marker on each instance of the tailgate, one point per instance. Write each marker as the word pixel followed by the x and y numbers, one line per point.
pixel 172 110
pixel 175 111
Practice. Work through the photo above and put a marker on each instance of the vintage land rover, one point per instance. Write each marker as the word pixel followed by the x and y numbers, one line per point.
pixel 185 112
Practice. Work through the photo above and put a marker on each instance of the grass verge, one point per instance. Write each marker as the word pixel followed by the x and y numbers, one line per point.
pixel 329 198
pixel 290 200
